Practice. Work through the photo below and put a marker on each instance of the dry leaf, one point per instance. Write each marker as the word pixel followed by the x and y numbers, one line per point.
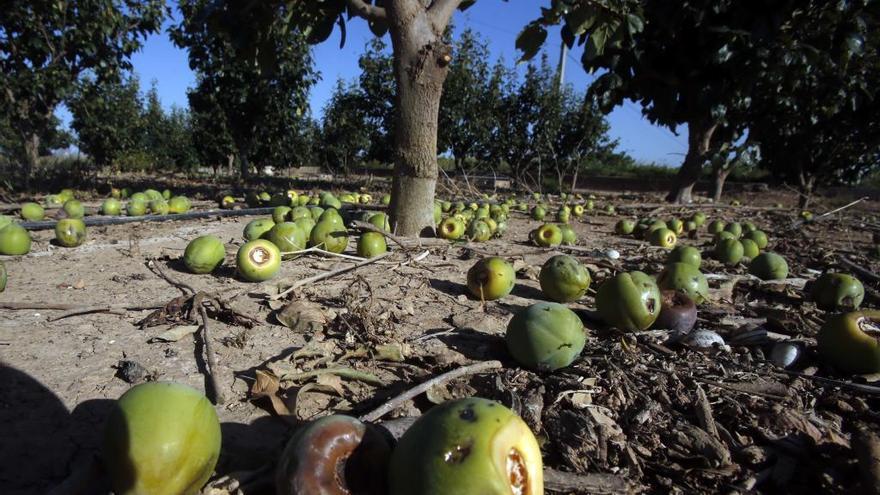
pixel 174 334
pixel 302 316
pixel 332 381
pixel 267 386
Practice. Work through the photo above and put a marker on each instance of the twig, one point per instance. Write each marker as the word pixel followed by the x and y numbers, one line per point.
pixel 864 272
pixel 24 306
pixel 601 483
pixel 372 228
pixel 86 310
pixel 827 214
pixel 325 275
pixel 198 300
pixel 315 249
pixel 397 401
pixel 340 371
pixel 185 288
pixel 869 389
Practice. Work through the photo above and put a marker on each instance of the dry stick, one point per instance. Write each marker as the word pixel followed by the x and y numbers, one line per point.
pixel 601 483
pixel 864 272
pixel 86 310
pixel 827 214
pixel 396 402
pixel 179 285
pixel 869 389
pixel 22 306
pixel 372 228
pixel 322 276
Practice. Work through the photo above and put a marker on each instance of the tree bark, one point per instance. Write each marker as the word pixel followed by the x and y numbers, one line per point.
pixel 699 136
pixel 230 160
pixel 574 179
pixel 720 176
pixel 244 163
pixel 421 61
pixel 31 155
pixel 806 185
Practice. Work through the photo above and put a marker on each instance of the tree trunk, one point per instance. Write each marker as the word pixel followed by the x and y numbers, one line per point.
pixel 244 163
pixel 699 136
pixel 421 60
pixel 574 179
pixel 807 184
pixel 31 155
pixel 721 174
pixel 230 161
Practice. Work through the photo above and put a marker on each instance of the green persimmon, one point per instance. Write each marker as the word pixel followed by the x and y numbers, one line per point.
pixel 545 336
pixel 204 254
pixel 629 301
pixel 564 279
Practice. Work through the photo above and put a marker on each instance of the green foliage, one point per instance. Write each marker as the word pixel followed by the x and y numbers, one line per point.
pixel 107 117
pixel 345 137
pixel 375 97
pixel 45 47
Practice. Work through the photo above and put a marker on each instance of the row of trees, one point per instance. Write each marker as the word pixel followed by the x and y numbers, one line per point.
pixel 490 117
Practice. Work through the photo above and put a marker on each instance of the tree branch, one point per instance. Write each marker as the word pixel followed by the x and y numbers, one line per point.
pixel 367 11
pixel 440 12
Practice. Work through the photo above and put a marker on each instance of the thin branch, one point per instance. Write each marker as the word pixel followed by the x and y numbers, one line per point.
pixel 372 228
pixel 440 13
pixel 80 309
pixel 198 301
pixel 325 275
pixel 367 11
pixel 396 402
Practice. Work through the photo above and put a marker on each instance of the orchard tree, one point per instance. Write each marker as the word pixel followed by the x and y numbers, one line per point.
pixel 345 137
pixel 254 97
pixel 107 117
pixel 375 97
pixel 211 138
pixel 46 46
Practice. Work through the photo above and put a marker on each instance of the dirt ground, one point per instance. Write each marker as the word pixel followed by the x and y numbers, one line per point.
pixel 656 416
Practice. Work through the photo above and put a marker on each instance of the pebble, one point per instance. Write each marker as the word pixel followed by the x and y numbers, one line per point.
pixel 612 254
pixel 784 354
pixel 703 339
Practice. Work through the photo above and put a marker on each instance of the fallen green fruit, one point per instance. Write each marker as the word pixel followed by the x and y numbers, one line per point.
pixel 329 236
pixel 14 240
pixel 538 213
pixel 490 278
pixel 715 226
pixel 548 235
pixel 32 212
pixel 629 301
pixel 685 278
pixel 74 209
pixel 759 237
pixel 662 237
pixel 380 220
pixel 281 214
pixel 111 207
pixel 569 236
pixel 258 260
pixel 699 218
pixel 686 254
pixel 287 236
pixel 851 342
pixel 750 248
pixel 478 231
pixel 546 336
pixel 769 266
pixel 734 228
pixel 161 439
pixel 837 292
pixel 564 279
pixel 204 254
pixel 178 204
pixel 467 446
pixel 3 277
pixel 334 455
pixel 371 244
pixel 451 228
pixel 729 251
pixel 624 227
pixel 136 208
pixel 255 229
pixel 159 207
pixel 70 232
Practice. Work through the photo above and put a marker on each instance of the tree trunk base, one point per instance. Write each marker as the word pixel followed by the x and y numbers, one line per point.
pixel 412 206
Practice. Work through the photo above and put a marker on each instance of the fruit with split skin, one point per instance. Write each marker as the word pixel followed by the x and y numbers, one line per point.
pixel 678 312
pixel 851 341
pixel 258 260
pixel 548 235
pixel 564 279
pixel 161 438
pixel 837 292
pixel 14 240
pixel 629 301
pixel 769 266
pixel 451 228
pixel 467 446
pixel 204 254
pixel 70 232
pixel 662 237
pixel 685 278
pixel 371 244
pixel 545 336
pixel 490 278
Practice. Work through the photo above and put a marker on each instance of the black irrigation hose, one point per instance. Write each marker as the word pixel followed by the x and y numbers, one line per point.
pixel 105 220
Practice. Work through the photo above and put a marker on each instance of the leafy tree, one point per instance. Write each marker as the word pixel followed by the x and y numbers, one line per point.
pixel 179 149
pixel 345 137
pixel 376 95
pixel 46 46
pixel 107 117
pixel 256 100
pixel 213 143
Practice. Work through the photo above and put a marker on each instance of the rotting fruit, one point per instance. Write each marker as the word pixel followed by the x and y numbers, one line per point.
pixel 204 254
pixel 769 266
pixel 467 446
pixel 334 455
pixel 662 237
pixel 837 292
pixel 371 244
pixel 548 235
pixel 686 278
pixel 14 240
pixel 564 279
pixel 546 336
pixel 678 312
pixel 629 301
pixel 161 438
pixel 258 260
pixel 851 342
pixel 451 228
pixel 70 232
pixel 491 278
pixel 686 254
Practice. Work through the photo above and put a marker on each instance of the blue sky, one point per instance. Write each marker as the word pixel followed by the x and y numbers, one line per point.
pixel 498 22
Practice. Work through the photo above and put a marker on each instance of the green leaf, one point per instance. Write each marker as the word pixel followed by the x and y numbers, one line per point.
pixel 580 19
pixel 634 24
pixel 530 40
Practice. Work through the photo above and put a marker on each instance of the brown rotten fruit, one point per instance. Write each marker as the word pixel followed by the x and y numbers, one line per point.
pixel 849 342
pixel 677 313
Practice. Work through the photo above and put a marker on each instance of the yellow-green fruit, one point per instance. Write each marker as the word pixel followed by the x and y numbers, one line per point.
pixel 139 196
pixel 479 231
pixel 629 301
pixel 204 254
pixel 545 336
pixel 265 197
pixel 663 237
pixel 748 227
pixel 166 194
pixel 734 228
pixel 255 229
pixel 609 209
pixel 316 212
pixel 281 214
pixel 136 208
pixel 305 225
pixel 590 204
pixel 715 226
pixel 371 244
pixel 386 199
pixel 14 240
pixel 178 204
pixel 258 260
pixel 578 211
pixel 538 213
pixel 564 279
pixel 769 266
pixel 153 194
pixel 227 202
pixel 837 292
pixel 451 228
pixel 331 236
pixel 686 254
pixel 548 235
pixel 685 278
pixel 759 237
pixel 467 446
pixel 849 341
pixel 53 201
pixel 3 277
pixel 569 236
pixel 159 207
pixel 70 232
pixel 624 227
pixel 381 221
pixel 563 216
pixel 32 212
pixel 300 212
pixel 287 236
pixel 111 207
pixel 438 213
pixel 74 209
pixel 491 278
pixel 728 251
pixel 334 455
pixel 5 220
pixel 161 438
pixel 750 248
pixel 332 215
pixel 676 226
